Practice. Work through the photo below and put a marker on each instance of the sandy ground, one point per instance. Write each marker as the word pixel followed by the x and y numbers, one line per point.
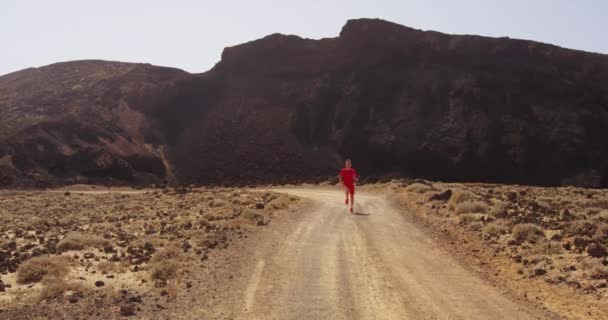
pixel 374 264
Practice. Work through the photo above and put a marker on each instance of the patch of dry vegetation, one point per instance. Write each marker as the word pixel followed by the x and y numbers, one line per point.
pixel 81 241
pixel 528 232
pixel 418 188
pixel 160 235
pixel 166 264
pixel 458 197
pixel 40 268
pixel 471 207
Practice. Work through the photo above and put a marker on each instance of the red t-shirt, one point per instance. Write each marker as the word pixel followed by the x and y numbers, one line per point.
pixel 348 176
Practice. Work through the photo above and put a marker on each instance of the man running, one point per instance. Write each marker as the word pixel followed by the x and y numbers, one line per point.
pixel 348 176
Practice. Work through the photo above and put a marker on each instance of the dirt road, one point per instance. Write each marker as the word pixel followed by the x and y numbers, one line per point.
pixel 327 264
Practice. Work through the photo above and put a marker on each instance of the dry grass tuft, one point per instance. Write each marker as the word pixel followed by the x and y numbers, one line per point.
pixel 499 209
pixel 106 267
pixel 495 229
pixel 166 263
pixel 81 241
pixel 471 207
pixel 528 232
pixel 459 197
pixel 468 218
pixel 418 188
pixel 549 248
pixel 601 234
pixel 279 203
pixel 39 268
pixel 57 288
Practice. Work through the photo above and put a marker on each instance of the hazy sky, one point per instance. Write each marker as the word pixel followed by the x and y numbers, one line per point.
pixel 191 34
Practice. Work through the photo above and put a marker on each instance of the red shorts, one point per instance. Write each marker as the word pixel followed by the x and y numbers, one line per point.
pixel 350 188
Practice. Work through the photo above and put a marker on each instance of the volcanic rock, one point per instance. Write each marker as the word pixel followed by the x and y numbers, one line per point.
pixel 283 108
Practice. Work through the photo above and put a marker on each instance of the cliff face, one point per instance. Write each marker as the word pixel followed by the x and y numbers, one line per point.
pixel 286 109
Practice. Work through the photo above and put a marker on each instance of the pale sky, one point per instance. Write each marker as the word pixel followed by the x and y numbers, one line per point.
pixel 191 35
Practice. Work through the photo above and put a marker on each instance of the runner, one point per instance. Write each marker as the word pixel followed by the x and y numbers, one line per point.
pixel 348 176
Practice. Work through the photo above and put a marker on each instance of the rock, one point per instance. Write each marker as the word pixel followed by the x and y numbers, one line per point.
pixel 2 288
pixel 149 247
pixel 89 255
pixel 540 272
pixel 567 245
pixel 512 196
pixel 596 250
pixel 67 193
pixel 441 196
pixel 99 283
pixel 127 310
pixel 259 205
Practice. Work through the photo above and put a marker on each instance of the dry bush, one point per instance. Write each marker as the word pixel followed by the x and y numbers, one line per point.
pixel 171 252
pixel 549 248
pixel 243 201
pixel 458 197
pixel 589 212
pixel 106 267
pixel 602 216
pixel 251 214
pixel 471 207
pixel 418 188
pixel 499 209
pixel 468 218
pixel 166 263
pixel 279 203
pixel 495 229
pixel 164 270
pixel 527 232
pixel 216 203
pixel 57 288
pixel 80 241
pixel 601 234
pixel 39 268
pixel 580 227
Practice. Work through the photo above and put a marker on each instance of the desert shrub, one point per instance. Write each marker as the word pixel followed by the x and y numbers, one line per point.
pixel 279 203
pixel 38 268
pixel 171 252
pixel 589 212
pixel 468 218
pixel 458 197
pixel 166 263
pixel 549 248
pixel 164 270
pixel 471 207
pixel 57 288
pixel 527 232
pixel 601 233
pixel 106 267
pixel 499 209
pixel 495 228
pixel 251 214
pixel 580 227
pixel 418 188
pixel 602 216
pixel 80 241
pixel 216 203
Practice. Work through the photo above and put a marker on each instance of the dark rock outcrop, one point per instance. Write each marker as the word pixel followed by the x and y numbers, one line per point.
pixel 286 109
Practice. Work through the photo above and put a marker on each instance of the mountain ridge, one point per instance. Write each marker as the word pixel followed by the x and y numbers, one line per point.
pixel 280 109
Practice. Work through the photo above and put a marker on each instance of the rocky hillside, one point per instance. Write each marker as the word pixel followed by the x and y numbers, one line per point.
pixel 399 101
